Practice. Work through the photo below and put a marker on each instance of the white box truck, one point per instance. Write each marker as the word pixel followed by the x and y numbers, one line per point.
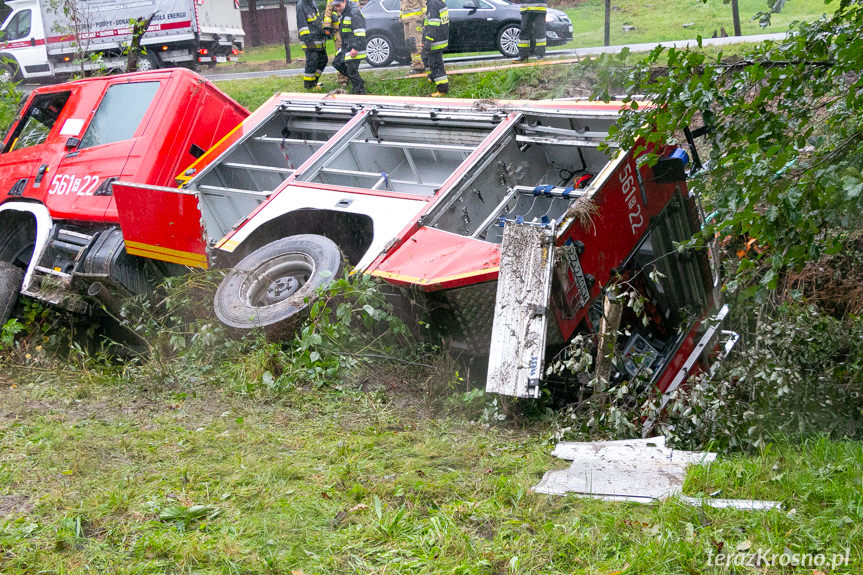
pixel 42 38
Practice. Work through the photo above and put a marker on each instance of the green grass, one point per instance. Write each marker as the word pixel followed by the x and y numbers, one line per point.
pixel 660 20
pixel 554 81
pixel 99 475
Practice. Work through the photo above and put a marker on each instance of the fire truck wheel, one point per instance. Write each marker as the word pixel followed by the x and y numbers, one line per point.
pixel 270 288
pixel 11 277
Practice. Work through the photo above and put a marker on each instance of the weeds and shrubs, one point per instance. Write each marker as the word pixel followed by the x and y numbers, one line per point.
pixel 799 376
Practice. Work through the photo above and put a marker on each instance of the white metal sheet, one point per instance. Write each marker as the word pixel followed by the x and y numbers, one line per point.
pixel 517 349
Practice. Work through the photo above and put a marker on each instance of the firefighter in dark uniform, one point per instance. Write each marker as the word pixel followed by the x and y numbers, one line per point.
pixel 435 40
pixel 353 50
pixel 331 30
pixel 312 36
pixel 531 38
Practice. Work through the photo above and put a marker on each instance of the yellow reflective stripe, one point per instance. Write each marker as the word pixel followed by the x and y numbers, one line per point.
pixel 166 254
pixel 311 18
pixel 406 15
pixel 439 45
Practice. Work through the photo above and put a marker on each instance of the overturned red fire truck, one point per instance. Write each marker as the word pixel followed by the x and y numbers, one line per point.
pixel 506 214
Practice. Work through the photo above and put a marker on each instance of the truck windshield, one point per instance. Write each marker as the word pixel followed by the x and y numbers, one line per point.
pixel 119 113
pixel 37 121
pixel 18 26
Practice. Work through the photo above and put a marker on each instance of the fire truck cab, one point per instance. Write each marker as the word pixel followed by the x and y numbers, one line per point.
pixel 60 237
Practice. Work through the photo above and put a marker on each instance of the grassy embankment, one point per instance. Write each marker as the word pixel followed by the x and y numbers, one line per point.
pixel 105 475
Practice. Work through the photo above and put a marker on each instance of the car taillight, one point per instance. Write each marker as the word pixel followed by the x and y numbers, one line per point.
pixel 203 51
pixel 235 52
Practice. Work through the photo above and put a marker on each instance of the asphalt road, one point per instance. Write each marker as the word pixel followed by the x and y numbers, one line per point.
pixel 593 51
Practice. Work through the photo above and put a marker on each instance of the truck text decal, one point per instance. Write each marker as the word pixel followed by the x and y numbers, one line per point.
pixel 627 180
pixel 66 184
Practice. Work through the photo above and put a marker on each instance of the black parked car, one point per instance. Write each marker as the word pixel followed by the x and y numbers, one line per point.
pixel 475 26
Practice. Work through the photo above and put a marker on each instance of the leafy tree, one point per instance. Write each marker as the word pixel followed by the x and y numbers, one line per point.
pixel 785 148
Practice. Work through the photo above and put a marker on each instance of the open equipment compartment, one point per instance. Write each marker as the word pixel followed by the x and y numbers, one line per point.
pixel 402 151
pixel 533 172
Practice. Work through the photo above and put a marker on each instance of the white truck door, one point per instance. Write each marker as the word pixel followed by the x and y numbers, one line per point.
pixel 23 41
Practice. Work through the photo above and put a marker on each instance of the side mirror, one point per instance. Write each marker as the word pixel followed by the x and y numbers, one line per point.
pixel 471 5
pixel 72 142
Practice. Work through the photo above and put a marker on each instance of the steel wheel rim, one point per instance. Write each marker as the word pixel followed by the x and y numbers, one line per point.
pixel 509 41
pixel 377 50
pixel 276 280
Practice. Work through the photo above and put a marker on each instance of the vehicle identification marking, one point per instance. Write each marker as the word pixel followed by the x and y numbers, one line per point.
pixel 66 184
pixel 629 189
pixel 572 275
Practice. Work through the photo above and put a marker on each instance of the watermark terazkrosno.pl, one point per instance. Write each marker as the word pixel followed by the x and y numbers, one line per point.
pixel 763 558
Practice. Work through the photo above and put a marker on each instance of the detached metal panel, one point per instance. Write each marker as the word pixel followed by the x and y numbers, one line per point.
pixel 517 351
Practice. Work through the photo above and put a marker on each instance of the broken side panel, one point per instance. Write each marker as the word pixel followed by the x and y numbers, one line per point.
pixel 161 223
pixel 517 350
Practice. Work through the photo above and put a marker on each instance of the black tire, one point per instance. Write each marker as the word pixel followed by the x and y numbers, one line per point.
pixel 149 61
pixel 11 277
pixel 380 50
pixel 507 40
pixel 10 71
pixel 269 287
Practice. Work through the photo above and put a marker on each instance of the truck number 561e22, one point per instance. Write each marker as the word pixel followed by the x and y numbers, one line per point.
pixel 64 184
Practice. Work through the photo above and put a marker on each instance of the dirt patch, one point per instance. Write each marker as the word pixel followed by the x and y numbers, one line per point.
pixel 16 504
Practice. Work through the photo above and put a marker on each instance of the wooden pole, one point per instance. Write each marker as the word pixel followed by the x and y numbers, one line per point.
pixel 735 15
pixel 608 328
pixel 286 30
pixel 608 22
pixel 254 33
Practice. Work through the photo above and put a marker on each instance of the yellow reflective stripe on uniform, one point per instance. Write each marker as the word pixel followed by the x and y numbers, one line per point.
pixel 441 80
pixel 406 15
pixel 360 32
pixel 327 22
pixel 311 18
pixel 304 30
pixel 359 56
pixel 346 20
pixel 433 22
pixel 540 42
pixel 439 45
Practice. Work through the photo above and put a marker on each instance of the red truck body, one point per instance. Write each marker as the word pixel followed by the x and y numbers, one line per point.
pixel 422 193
